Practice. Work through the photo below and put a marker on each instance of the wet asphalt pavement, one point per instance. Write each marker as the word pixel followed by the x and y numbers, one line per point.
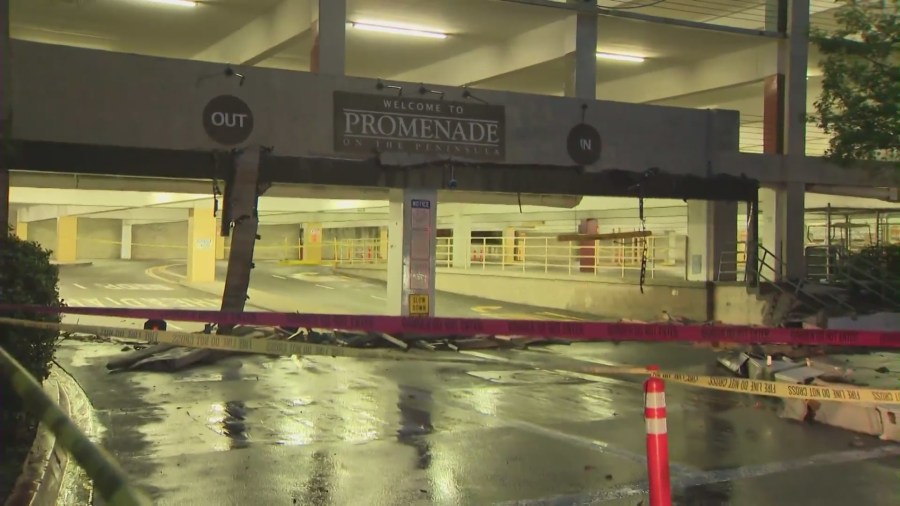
pixel 323 431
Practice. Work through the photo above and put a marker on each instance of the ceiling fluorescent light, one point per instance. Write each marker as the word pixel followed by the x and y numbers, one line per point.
pixel 620 57
pixel 179 3
pixel 412 32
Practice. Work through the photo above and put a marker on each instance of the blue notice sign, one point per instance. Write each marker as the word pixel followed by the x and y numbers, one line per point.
pixel 420 204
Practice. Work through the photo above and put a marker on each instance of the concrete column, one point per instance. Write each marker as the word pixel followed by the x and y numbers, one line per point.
pixel 581 75
pixel 782 230
pixel 312 243
pixel 383 243
pixel 587 250
pixel 201 250
pixel 5 112
pixel 411 252
pixel 784 119
pixel 66 238
pixel 4 200
pixel 797 58
pixel 461 253
pixel 125 246
pixel 712 240
pixel 672 252
pixel 22 230
pixel 509 245
pixel 329 47
pixel 220 241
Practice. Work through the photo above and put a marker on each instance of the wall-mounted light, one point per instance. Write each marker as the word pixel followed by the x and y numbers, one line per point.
pixel 620 57
pixel 410 32
pixel 178 3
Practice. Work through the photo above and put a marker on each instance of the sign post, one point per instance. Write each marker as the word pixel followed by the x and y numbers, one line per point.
pixel 411 255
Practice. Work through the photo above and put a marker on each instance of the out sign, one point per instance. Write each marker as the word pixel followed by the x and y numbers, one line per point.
pixel 583 144
pixel 228 120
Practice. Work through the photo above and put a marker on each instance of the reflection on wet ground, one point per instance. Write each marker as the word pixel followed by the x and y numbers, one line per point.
pixel 321 431
pixel 415 422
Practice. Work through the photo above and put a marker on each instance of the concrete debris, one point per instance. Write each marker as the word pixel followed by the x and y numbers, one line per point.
pixel 476 344
pixel 425 345
pixel 140 356
pixel 871 419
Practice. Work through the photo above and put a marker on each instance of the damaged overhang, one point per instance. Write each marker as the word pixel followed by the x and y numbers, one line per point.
pixel 466 176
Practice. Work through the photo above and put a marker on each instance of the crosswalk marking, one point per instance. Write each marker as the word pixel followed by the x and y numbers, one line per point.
pixel 146 302
pixel 132 286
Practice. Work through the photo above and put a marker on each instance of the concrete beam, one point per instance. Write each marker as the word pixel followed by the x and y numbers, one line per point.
pixel 263 37
pixel 323 217
pixel 754 17
pixel 30 214
pixel 26 179
pixel 581 214
pixel 883 194
pixel 725 71
pixel 783 169
pixel 49 212
pixel 546 43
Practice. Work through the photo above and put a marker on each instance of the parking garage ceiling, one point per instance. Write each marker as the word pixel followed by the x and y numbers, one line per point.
pixel 476 29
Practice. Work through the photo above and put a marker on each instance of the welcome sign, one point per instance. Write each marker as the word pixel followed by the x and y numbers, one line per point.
pixel 378 123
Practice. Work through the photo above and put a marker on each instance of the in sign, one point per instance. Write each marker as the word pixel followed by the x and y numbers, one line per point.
pixel 228 120
pixel 583 144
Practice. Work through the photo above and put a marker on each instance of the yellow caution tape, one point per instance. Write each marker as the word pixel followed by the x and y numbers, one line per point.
pixel 830 392
pixel 108 476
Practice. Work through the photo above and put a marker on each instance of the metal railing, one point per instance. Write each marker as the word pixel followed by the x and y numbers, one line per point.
pixel 733 263
pixel 836 266
pixel 544 255
pixel 355 252
pixel 798 288
pixel 752 134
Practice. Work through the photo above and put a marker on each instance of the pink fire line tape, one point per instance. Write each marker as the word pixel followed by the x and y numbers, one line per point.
pixel 577 331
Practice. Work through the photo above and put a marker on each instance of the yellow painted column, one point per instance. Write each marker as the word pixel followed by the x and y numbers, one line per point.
pixel 383 243
pixel 312 243
pixel 220 241
pixel 66 238
pixel 22 230
pixel 509 245
pixel 201 247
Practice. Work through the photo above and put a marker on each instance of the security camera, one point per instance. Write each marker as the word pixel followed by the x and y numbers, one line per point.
pixel 452 184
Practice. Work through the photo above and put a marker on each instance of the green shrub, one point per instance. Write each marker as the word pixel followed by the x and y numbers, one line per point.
pixel 26 277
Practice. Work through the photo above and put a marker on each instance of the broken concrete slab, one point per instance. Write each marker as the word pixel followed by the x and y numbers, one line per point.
pixel 127 361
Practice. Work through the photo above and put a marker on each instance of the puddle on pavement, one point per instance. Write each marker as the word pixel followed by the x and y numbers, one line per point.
pixel 524 377
pixel 718 494
pixel 206 378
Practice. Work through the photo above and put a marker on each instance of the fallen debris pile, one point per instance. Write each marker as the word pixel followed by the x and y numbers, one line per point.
pixel 866 418
pixel 167 357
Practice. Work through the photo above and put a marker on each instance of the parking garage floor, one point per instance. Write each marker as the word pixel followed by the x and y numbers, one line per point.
pixel 315 430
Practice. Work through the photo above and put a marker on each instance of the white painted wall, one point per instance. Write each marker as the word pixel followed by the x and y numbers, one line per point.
pixel 277 242
pixel 98 239
pixel 160 241
pixel 44 233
